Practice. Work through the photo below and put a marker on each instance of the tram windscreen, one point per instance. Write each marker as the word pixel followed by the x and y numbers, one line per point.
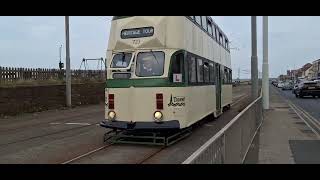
pixel 121 60
pixel 150 64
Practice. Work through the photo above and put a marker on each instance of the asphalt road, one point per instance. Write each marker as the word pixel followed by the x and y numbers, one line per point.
pixel 308 104
pixel 58 136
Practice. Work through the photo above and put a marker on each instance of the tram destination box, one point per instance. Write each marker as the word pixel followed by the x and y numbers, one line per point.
pixel 137 32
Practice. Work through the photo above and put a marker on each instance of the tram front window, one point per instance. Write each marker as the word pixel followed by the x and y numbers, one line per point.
pixel 121 60
pixel 150 64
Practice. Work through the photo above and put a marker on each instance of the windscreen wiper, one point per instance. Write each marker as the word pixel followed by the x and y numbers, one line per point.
pixel 155 57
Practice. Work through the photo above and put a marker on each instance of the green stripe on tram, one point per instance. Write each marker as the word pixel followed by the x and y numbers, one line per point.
pixel 154 82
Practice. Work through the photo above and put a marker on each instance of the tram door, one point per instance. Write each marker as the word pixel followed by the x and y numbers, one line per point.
pixel 218 88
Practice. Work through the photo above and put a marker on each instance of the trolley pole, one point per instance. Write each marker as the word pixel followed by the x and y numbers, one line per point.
pixel 254 59
pixel 68 74
pixel 265 79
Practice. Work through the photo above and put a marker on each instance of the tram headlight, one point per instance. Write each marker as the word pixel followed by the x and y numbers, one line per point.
pixel 112 115
pixel 158 116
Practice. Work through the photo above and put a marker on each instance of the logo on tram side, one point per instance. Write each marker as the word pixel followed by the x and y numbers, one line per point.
pixel 177 101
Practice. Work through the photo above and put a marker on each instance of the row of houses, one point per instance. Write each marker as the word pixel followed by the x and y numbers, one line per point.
pixel 309 71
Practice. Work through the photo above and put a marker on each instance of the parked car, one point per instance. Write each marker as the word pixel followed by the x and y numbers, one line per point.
pixel 274 82
pixel 308 88
pixel 295 87
pixel 280 85
pixel 287 86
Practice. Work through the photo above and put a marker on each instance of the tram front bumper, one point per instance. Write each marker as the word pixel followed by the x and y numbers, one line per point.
pixel 122 125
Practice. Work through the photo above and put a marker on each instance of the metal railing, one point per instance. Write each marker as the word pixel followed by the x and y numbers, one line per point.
pixel 232 143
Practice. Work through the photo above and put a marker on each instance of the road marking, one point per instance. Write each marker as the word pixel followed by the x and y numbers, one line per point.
pixel 55 123
pixel 309 115
pixel 208 125
pixel 81 124
pixel 312 129
pixel 312 119
pixel 296 108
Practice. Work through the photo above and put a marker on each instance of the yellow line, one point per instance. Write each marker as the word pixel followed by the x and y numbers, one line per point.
pixel 307 115
pixel 310 116
pixel 295 110
pixel 303 112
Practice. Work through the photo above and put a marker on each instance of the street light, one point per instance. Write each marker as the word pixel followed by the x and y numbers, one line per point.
pixel 254 59
pixel 265 79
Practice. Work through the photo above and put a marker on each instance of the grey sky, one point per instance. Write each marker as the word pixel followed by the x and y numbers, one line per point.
pixel 34 41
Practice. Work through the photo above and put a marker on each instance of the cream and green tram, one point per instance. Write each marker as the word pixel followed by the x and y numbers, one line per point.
pixel 165 72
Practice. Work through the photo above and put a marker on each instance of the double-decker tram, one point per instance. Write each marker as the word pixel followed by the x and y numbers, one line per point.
pixel 165 73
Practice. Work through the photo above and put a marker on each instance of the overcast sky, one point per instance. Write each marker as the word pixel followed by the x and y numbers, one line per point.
pixel 34 41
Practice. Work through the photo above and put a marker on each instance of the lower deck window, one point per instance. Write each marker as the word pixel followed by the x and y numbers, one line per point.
pixel 200 70
pixel 192 69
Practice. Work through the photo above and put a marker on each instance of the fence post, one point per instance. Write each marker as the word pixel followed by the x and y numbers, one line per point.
pixel 14 73
pixel 1 75
pixel 10 74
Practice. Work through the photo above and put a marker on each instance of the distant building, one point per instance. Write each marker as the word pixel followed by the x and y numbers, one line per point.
pixel 306 71
pixel 308 74
pixel 316 69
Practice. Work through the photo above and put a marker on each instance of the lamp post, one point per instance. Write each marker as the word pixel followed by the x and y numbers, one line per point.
pixel 254 59
pixel 265 79
pixel 68 74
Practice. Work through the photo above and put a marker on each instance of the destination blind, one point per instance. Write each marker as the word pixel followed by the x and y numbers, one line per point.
pixel 137 32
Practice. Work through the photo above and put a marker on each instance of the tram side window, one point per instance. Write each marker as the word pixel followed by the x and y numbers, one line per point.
pixel 192 69
pixel 192 17
pixel 223 42
pixel 215 32
pixel 212 75
pixel 204 22
pixel 225 75
pixel 227 44
pixel 200 70
pixel 206 72
pixel 198 19
pixel 210 28
pixel 177 65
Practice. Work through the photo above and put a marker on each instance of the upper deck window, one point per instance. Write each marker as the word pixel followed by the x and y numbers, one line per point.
pixel 204 22
pixel 150 64
pixel 121 60
pixel 210 28
pixel 198 20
